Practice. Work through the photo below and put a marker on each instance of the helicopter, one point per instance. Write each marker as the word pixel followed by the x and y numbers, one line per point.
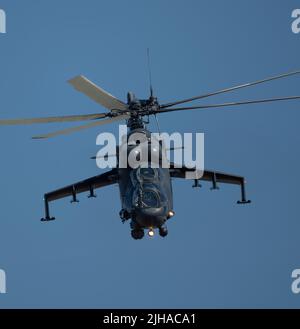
pixel 145 192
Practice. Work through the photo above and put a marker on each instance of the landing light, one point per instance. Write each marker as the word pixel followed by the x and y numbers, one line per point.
pixel 171 213
pixel 151 233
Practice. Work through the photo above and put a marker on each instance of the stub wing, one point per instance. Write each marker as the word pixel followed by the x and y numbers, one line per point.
pixel 87 185
pixel 214 177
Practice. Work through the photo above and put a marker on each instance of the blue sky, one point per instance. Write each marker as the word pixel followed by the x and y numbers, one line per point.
pixel 217 254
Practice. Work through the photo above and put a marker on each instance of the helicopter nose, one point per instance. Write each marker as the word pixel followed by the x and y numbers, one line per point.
pixel 151 217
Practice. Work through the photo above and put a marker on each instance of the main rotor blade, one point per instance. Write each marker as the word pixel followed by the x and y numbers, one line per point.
pixel 231 89
pixel 66 118
pixel 78 128
pixel 229 104
pixel 96 93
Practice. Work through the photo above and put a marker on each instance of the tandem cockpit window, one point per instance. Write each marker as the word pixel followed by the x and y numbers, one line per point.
pixel 147 174
pixel 143 175
pixel 146 188
pixel 148 195
pixel 150 199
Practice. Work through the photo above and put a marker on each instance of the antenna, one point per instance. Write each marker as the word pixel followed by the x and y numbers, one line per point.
pixel 149 72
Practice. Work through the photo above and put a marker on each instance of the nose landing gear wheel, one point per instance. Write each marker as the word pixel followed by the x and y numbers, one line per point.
pixel 137 234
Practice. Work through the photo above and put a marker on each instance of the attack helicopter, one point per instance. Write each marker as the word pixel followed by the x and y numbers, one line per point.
pixel 145 192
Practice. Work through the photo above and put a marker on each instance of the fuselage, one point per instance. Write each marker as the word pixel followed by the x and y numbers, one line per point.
pixel 145 189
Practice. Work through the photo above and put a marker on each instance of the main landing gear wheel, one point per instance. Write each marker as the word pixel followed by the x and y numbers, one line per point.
pixel 163 231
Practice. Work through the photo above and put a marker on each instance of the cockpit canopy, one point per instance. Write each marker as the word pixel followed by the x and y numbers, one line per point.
pixel 147 174
pixel 147 198
pixel 147 192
